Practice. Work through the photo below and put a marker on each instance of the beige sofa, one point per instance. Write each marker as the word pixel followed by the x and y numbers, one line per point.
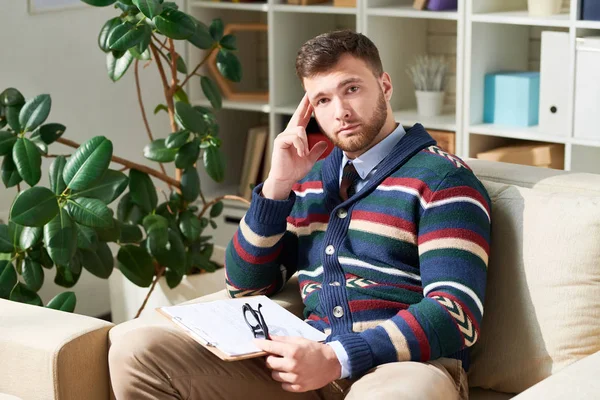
pixel 540 335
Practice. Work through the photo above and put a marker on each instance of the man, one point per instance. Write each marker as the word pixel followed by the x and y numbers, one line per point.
pixel 390 238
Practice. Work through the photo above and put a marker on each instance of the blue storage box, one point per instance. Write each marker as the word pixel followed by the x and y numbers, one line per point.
pixel 590 10
pixel 512 98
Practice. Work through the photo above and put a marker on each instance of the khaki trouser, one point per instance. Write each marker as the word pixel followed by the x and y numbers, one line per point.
pixel 156 362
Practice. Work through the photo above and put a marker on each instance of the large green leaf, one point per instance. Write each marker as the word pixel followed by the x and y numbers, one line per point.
pixel 189 225
pixel 15 231
pixel 28 161
pixel 150 8
pixel 130 234
pixel 216 29
pixel 57 183
pixel 187 155
pixel 33 274
pixel 212 92
pixel 143 192
pixel 67 276
pixel 8 278
pixel 173 278
pixel 7 141
pixel 12 117
pixel 229 42
pixel 216 209
pixel 10 175
pixel 117 67
pixel 65 301
pixel 99 3
pixel 40 255
pixel 105 33
pixel 173 256
pixel 157 151
pixel 110 234
pixel 50 132
pixel 88 164
pixel 177 139
pixel 60 238
pixel 187 117
pixel 127 211
pixel 22 294
pixel 30 236
pixel 136 264
pixel 35 206
pixel 6 243
pixel 90 212
pixel 125 36
pixel 229 66
pixel 201 37
pixel 154 222
pixel 11 97
pixel 107 188
pixel 214 164
pixel 190 184
pixel 35 112
pixel 181 95
pixel 180 64
pixel 99 262
pixel 40 144
pixel 175 24
pixel 87 238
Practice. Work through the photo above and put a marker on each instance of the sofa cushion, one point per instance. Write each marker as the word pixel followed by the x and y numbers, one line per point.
pixel 542 303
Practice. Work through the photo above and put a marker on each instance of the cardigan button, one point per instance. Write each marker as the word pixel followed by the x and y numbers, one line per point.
pixel 342 213
pixel 338 312
pixel 329 250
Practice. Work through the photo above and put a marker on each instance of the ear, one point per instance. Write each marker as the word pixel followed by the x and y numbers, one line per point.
pixel 386 85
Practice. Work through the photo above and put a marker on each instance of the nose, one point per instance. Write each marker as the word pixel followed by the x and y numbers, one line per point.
pixel 342 109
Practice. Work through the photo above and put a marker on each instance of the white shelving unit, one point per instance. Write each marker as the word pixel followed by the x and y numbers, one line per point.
pixel 482 36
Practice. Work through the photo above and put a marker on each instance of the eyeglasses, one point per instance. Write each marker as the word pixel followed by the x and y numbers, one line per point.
pixel 260 328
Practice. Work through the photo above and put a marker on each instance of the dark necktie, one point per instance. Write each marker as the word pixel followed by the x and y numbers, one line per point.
pixel 349 179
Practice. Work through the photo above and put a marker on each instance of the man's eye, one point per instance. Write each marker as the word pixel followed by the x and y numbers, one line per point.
pixel 321 101
pixel 353 89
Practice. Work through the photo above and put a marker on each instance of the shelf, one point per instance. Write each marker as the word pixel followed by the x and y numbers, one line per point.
pixel 522 133
pixel 588 24
pixel 326 8
pixel 237 105
pixel 522 18
pixel 263 7
pixel 444 122
pixel 409 12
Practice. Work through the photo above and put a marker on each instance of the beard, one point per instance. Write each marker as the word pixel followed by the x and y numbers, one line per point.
pixel 369 130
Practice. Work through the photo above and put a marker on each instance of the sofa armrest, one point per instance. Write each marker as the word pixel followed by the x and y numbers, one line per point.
pixel 49 354
pixel 577 381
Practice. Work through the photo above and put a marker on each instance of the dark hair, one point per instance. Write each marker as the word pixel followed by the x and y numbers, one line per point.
pixel 322 52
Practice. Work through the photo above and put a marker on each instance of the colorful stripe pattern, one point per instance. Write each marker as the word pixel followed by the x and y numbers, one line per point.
pixel 405 258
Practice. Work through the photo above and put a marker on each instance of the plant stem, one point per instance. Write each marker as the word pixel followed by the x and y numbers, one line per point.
pixel 159 274
pixel 218 199
pixel 146 124
pixel 168 94
pixel 129 164
pixel 209 52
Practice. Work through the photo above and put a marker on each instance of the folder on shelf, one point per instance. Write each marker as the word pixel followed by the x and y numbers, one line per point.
pixel 253 156
pixel 220 325
pixel 554 83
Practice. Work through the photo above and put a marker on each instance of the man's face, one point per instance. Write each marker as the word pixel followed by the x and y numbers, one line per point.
pixel 349 104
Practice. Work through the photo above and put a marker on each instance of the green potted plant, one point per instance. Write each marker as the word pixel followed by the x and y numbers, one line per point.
pixel 68 226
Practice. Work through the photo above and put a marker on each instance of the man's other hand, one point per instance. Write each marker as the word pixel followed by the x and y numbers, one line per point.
pixel 300 364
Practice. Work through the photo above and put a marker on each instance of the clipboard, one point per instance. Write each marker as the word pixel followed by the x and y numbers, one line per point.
pixel 220 327
pixel 208 344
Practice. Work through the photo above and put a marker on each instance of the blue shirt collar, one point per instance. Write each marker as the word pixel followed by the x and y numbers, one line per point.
pixel 367 161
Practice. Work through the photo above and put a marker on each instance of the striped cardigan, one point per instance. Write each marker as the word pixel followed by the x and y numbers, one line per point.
pixel 397 272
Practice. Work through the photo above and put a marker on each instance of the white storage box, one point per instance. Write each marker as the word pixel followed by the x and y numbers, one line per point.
pixel 587 89
pixel 554 71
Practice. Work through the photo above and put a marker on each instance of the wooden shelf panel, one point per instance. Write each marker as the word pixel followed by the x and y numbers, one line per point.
pixel 262 7
pixel 409 12
pixel 522 18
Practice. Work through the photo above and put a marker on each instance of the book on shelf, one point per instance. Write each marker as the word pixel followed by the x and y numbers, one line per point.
pixel 253 159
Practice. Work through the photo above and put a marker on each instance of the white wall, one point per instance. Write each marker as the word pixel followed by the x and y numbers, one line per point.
pixel 57 53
